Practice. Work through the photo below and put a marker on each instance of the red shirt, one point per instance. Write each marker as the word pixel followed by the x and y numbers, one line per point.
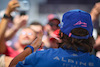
pixel 11 52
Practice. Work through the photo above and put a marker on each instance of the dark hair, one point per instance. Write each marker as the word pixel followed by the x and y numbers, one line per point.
pixel 53 20
pixel 84 45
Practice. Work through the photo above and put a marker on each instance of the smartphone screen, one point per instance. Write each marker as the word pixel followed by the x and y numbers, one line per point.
pixel 24 5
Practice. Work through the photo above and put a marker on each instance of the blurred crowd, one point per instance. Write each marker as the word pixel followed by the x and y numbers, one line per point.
pixel 12 44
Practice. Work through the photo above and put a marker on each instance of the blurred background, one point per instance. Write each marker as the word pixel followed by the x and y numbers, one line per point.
pixel 35 15
pixel 40 9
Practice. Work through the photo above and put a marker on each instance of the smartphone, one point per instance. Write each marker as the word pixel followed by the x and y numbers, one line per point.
pixel 22 13
pixel 24 5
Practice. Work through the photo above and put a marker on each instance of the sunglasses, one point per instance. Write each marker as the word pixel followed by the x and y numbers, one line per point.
pixel 24 33
pixel 52 24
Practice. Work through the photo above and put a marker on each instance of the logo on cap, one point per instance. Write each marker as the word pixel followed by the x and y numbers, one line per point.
pixel 83 24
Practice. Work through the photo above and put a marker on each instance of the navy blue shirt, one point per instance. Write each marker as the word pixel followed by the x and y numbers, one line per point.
pixel 59 58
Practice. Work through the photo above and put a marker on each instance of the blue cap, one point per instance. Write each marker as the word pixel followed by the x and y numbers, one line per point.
pixel 76 19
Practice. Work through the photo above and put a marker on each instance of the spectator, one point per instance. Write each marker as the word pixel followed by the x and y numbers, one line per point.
pixel 4 25
pixel 95 12
pixel 76 34
pixel 54 39
pixel 13 27
pixel 26 37
pixel 49 29
pixel 52 26
pixel 8 51
pixel 97 44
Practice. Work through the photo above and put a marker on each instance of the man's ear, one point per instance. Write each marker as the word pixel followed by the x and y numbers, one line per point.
pixel 61 34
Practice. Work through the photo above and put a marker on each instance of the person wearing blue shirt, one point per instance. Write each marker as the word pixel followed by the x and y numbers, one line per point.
pixel 77 42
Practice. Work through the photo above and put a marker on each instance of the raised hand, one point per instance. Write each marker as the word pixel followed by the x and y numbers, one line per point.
pixel 37 43
pixel 20 21
pixel 11 6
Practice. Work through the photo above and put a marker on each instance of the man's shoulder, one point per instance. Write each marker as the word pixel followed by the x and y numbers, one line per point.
pixel 48 52
pixel 51 50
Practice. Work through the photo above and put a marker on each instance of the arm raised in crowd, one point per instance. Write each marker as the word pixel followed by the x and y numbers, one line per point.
pixel 36 44
pixel 95 11
pixel 18 22
pixel 3 26
pixel 11 7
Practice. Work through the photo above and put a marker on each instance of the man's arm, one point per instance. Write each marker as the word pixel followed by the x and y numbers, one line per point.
pixel 95 11
pixel 11 6
pixel 3 26
pixel 28 51
pixel 18 22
